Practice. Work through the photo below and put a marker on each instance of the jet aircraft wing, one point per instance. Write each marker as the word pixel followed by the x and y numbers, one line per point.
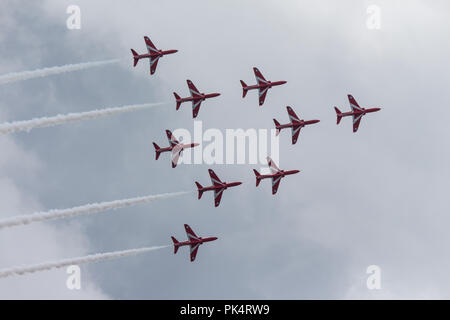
pixel 275 184
pixel 153 64
pixel 214 178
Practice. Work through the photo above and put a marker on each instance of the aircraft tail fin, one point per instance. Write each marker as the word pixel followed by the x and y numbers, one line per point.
pixel 277 126
pixel 244 89
pixel 258 177
pixel 157 150
pixel 177 98
pixel 200 191
pixel 338 114
pixel 135 57
pixel 175 245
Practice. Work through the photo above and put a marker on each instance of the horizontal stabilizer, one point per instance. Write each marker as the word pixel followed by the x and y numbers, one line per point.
pixel 157 150
pixel 177 98
pixel 338 114
pixel 244 89
pixel 175 245
pixel 135 57
pixel 258 177
pixel 200 191
pixel 277 126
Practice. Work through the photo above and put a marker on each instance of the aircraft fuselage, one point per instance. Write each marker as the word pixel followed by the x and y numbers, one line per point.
pixel 202 97
pixel 194 242
pixel 160 53
pixel 223 186
pixel 357 113
pixel 297 124
pixel 181 146
pixel 282 174
pixel 269 84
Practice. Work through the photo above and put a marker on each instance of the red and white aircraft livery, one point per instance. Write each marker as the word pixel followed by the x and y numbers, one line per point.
pixel 153 54
pixel 196 98
pixel 218 187
pixel 193 241
pixel 276 175
pixel 262 85
pixel 357 112
pixel 175 146
pixel 296 124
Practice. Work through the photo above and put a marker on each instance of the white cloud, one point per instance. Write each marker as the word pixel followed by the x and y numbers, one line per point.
pixel 37 243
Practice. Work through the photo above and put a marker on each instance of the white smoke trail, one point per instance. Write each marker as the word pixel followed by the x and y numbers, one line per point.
pixel 25 75
pixel 85 209
pixel 75 261
pixel 27 125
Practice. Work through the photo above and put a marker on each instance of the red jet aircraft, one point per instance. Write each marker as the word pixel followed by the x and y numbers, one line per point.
pixel 262 85
pixel 276 175
pixel 218 187
pixel 153 54
pixel 357 112
pixel 175 146
pixel 196 98
pixel 194 242
pixel 296 124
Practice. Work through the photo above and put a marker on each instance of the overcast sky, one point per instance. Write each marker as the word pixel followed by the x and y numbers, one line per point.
pixel 377 197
